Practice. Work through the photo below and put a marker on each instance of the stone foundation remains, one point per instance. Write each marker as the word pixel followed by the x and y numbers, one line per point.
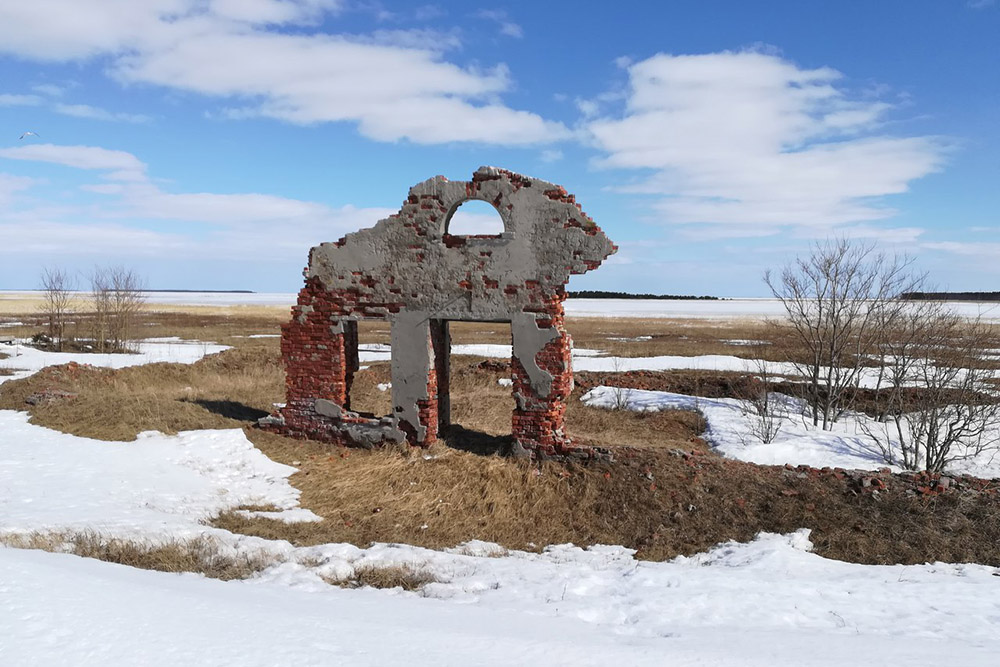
pixel 409 271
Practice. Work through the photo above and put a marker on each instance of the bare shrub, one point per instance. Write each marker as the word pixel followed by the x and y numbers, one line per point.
pixel 760 404
pixel 835 300
pixel 57 297
pixel 936 402
pixel 117 299
pixel 620 396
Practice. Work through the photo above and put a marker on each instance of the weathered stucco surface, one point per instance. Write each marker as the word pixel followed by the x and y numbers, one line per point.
pixel 408 270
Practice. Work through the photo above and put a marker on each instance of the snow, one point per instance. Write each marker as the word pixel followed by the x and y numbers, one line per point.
pixel 158 484
pixel 725 308
pixel 767 602
pixel 730 426
pixel 26 360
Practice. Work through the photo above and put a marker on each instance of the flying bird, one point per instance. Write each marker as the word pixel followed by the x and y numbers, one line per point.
pixel 29 133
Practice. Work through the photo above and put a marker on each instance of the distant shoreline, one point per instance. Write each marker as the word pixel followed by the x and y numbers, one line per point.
pixel 951 296
pixel 204 291
pixel 180 291
pixel 603 294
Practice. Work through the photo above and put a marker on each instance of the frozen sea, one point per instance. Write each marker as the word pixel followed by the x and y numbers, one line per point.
pixel 725 308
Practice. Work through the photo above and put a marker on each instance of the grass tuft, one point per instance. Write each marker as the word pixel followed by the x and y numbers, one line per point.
pixel 203 555
pixel 375 575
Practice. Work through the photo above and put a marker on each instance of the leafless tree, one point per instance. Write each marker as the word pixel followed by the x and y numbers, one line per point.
pixel 117 298
pixel 57 298
pixel 761 404
pixel 936 403
pixel 834 300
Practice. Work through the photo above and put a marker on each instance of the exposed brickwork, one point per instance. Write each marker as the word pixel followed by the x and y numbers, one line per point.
pixel 409 271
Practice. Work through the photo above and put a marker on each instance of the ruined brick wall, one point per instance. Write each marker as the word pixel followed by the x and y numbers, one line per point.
pixel 409 270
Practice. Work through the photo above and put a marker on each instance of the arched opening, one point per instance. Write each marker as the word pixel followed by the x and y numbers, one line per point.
pixel 475 218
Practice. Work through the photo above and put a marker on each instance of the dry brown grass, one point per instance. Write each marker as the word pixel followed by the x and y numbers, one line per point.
pixel 203 555
pixel 652 500
pixel 380 575
pixel 221 391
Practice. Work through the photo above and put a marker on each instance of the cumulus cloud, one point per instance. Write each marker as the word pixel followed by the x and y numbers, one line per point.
pixel 13 100
pixel 49 89
pixel 120 164
pixel 97 113
pixel 749 138
pixel 963 248
pixel 9 184
pixel 233 50
pixel 505 26
pixel 250 226
pixel 46 238
pixel 77 110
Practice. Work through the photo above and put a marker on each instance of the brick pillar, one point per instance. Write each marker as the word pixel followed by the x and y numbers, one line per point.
pixel 320 355
pixel 539 417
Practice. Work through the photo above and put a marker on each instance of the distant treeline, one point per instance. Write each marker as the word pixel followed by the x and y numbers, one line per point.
pixel 951 296
pixel 601 294
pixel 204 291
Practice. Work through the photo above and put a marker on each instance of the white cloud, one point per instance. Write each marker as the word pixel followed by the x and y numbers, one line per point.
pixel 230 50
pixel 588 108
pixel 123 166
pixel 893 235
pixel 46 238
pixel 510 29
pixel 253 226
pixel 274 11
pixel 428 12
pixel 551 155
pixel 11 100
pixel 962 248
pixel 9 184
pixel 751 139
pixel 49 89
pixel 506 27
pixel 97 113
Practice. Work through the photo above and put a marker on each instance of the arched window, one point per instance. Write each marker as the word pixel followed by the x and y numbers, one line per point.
pixel 475 218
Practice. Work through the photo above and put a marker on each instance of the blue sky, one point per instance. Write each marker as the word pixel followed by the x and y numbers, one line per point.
pixel 210 143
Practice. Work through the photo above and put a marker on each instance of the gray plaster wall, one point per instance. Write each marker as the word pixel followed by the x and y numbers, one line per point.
pixel 535 246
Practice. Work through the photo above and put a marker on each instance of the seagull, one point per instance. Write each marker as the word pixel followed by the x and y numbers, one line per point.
pixel 29 133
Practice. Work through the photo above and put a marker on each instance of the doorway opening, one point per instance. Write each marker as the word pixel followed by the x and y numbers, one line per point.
pixel 474 385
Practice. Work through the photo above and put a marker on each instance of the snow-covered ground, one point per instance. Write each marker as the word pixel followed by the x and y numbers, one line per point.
pixel 730 429
pixel 25 360
pixel 768 602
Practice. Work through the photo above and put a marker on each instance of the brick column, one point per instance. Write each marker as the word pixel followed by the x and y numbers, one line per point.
pixel 320 355
pixel 538 419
